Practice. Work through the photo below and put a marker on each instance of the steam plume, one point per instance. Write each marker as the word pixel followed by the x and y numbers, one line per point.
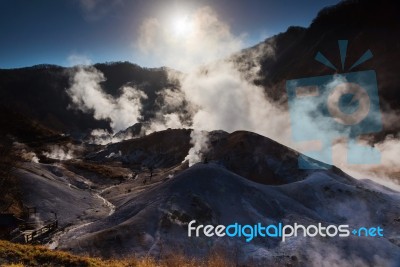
pixel 87 95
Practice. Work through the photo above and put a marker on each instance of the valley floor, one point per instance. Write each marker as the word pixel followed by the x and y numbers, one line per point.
pixel 136 199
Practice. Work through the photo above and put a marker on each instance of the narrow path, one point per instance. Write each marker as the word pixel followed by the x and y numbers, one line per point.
pixel 55 239
pixel 54 242
pixel 107 203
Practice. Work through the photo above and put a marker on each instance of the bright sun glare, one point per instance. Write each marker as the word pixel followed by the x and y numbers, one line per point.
pixel 182 26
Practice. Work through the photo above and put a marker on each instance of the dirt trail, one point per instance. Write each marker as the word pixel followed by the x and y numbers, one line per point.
pixel 74 228
pixel 54 242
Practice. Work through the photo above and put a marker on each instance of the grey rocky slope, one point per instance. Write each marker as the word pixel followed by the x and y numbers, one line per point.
pixel 152 215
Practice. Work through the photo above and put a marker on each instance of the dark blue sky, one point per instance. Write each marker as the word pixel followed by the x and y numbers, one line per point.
pixel 50 31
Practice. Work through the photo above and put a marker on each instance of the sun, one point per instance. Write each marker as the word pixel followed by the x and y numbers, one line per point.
pixel 182 26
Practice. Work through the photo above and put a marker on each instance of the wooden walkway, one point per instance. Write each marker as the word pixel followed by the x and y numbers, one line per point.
pixel 32 235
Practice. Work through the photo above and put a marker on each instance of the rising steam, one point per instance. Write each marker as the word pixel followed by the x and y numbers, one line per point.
pixel 87 95
pixel 209 38
pixel 219 95
pixel 200 142
pixel 59 152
